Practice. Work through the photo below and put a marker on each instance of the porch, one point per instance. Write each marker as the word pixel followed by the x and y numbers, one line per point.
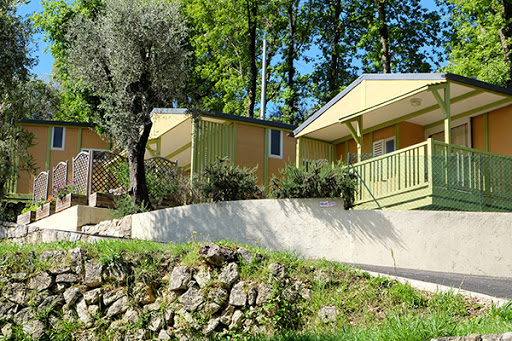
pixel 433 175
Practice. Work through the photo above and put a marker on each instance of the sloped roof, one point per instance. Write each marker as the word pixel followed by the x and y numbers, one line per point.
pixel 385 97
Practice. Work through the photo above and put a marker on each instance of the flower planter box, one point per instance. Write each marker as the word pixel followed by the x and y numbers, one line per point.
pixel 26 218
pixel 45 211
pixel 105 200
pixel 69 200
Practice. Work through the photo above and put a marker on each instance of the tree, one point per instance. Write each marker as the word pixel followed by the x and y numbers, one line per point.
pixel 296 18
pixel 131 55
pixel 334 68
pixel 397 36
pixel 15 61
pixel 481 40
pixel 77 101
pixel 225 45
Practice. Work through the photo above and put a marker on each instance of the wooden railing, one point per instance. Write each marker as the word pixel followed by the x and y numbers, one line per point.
pixel 392 173
pixel 472 170
pixel 460 173
pixel 310 151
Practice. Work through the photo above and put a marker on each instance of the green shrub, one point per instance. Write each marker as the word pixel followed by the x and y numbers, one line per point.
pixel 222 182
pixel 319 180
pixel 173 190
pixel 125 205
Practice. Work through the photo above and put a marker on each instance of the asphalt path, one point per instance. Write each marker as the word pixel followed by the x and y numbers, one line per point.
pixel 500 287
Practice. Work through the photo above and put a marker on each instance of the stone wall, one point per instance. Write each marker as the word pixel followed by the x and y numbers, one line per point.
pixel 22 234
pixel 121 228
pixel 99 299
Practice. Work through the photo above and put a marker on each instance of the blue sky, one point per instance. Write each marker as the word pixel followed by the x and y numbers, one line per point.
pixel 45 60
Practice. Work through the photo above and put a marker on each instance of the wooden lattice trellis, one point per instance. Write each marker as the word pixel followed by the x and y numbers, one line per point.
pixel 106 168
pixel 81 171
pixel 60 174
pixel 161 167
pixel 40 187
pixel 99 171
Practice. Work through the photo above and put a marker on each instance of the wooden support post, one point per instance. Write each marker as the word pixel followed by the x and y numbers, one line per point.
pixel 357 134
pixel 298 151
pixel 193 150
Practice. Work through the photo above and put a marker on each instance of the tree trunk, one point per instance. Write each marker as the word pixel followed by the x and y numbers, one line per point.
pixel 333 72
pixel 384 36
pixel 252 12
pixel 291 101
pixel 506 38
pixel 138 186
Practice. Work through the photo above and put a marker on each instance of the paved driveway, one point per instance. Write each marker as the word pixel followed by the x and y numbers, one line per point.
pixel 493 286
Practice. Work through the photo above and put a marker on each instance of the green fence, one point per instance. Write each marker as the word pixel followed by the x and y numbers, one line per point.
pixel 435 176
pixel 212 140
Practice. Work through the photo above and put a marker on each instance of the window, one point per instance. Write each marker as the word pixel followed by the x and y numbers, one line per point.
pixel 459 135
pixel 276 144
pixel 58 138
pixel 384 146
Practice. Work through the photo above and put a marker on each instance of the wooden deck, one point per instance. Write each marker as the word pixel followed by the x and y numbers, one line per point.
pixel 434 175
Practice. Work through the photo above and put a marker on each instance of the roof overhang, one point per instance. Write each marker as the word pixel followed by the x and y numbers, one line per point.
pixel 418 105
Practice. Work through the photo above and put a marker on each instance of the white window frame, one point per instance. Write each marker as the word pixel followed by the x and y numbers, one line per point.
pixel 63 139
pixel 383 141
pixel 275 156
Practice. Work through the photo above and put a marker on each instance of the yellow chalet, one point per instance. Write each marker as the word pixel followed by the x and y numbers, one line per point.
pixel 418 141
pixel 54 141
pixel 247 142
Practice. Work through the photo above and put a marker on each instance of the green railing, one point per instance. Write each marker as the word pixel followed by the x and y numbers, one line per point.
pixel 397 172
pixel 475 172
pixel 435 175
pixel 312 151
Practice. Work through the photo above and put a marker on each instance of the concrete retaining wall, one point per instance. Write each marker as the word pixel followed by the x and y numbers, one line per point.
pixel 461 242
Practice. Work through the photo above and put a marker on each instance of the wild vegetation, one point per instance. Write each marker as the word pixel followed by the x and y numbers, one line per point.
pixel 365 307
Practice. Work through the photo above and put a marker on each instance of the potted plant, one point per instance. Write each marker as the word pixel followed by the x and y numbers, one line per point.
pixel 68 195
pixel 45 208
pixel 106 200
pixel 28 215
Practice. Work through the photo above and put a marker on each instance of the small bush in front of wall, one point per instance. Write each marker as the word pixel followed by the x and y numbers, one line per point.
pixel 220 181
pixel 318 180
pixel 125 205
pixel 173 190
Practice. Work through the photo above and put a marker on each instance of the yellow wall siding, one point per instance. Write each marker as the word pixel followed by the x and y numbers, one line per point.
pixel 411 134
pixel 383 133
pixel 289 150
pixel 500 123
pixel 250 148
pixel 477 132
pixel 38 152
pixel 90 139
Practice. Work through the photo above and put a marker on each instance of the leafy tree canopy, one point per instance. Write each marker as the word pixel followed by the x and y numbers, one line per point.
pixel 481 40
pixel 15 61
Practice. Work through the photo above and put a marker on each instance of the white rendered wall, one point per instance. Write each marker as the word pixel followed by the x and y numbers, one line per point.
pixel 460 242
